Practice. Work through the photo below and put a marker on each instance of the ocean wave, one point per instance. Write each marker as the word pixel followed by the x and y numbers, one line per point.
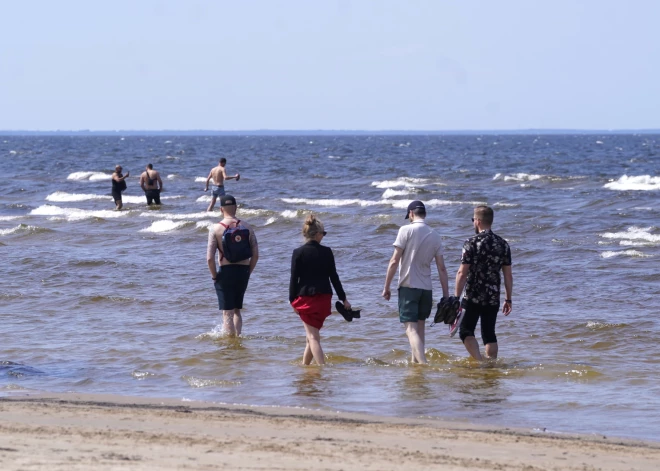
pixel 26 229
pixel 204 224
pixel 393 203
pixel 626 253
pixel 172 176
pixel 165 225
pixel 389 193
pixel 634 234
pixel 200 179
pixel 63 197
pixel 179 217
pixel 89 176
pixel 270 221
pixel 9 218
pixel 403 181
pixel 75 214
pixel 638 183
pixel 531 177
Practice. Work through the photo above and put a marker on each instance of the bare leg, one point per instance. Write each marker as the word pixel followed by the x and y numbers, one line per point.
pixel 228 321
pixel 210 208
pixel 416 341
pixel 314 341
pixel 119 204
pixel 491 350
pixel 307 356
pixel 472 346
pixel 238 321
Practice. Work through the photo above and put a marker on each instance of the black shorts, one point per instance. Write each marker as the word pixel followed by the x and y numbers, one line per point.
pixel 153 196
pixel 230 286
pixel 116 195
pixel 488 315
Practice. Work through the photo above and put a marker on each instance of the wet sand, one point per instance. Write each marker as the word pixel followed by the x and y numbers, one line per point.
pixel 81 432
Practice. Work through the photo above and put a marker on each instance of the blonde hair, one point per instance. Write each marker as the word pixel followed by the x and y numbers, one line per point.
pixel 312 226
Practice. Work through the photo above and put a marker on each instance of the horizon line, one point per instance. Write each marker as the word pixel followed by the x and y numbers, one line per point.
pixel 329 131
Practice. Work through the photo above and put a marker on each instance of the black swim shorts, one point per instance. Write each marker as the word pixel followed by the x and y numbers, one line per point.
pixel 153 196
pixel 116 195
pixel 474 312
pixel 230 286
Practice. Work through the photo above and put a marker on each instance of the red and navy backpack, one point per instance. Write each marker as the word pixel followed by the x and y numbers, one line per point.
pixel 236 242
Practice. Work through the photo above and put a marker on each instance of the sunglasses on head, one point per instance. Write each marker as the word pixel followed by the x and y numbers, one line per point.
pixel 325 233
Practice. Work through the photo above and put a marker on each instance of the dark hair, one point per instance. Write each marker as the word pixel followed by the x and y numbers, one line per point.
pixel 419 212
pixel 223 160
pixel 484 213
pixel 150 167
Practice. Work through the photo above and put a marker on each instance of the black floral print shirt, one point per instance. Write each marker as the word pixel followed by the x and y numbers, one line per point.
pixel 486 252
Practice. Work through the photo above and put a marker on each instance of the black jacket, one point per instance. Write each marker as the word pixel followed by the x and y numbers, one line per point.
pixel 312 270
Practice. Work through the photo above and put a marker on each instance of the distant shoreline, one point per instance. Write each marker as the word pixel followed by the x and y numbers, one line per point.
pixel 320 132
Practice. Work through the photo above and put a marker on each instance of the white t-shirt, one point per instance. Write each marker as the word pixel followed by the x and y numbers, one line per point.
pixel 420 245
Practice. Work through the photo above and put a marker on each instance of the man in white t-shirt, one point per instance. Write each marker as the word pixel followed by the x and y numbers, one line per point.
pixel 415 247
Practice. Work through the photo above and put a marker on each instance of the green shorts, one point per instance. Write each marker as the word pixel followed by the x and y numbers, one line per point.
pixel 415 304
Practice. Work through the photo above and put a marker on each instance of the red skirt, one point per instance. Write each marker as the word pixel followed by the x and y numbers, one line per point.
pixel 313 309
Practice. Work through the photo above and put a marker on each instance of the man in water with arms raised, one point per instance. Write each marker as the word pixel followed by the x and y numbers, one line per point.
pixel 484 256
pixel 151 184
pixel 118 185
pixel 415 247
pixel 219 175
pixel 231 280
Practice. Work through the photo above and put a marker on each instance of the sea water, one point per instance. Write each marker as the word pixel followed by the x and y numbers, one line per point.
pixel 96 300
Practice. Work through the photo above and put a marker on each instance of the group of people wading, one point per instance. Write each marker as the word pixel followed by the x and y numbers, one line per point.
pixel 314 274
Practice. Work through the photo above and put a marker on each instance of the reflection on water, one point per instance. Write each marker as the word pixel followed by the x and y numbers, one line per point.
pixel 414 384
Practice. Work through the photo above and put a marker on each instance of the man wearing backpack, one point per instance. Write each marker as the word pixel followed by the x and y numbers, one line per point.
pixel 151 184
pixel 238 253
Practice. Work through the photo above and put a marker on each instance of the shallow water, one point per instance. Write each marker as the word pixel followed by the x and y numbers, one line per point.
pixel 94 300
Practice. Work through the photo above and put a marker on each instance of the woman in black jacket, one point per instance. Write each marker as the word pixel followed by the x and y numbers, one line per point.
pixel 312 271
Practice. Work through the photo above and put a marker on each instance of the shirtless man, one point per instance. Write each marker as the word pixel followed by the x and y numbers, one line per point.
pixel 219 175
pixel 118 185
pixel 151 184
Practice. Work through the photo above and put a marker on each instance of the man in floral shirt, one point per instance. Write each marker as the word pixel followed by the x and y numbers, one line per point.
pixel 484 256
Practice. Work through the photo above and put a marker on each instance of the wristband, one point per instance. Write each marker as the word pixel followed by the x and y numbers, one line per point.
pixel 508 301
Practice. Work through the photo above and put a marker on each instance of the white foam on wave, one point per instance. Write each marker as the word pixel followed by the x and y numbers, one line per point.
pixel 165 225
pixel 626 253
pixel 9 218
pixel 506 205
pixel 75 214
pixel 390 192
pixel 19 228
pixel 393 203
pixel 63 197
pixel 200 179
pixel 178 217
pixel 403 181
pixel 638 183
pixel 204 224
pixel 289 214
pixel 270 221
pixel 172 176
pixel 521 177
pixel 90 176
pixel 634 234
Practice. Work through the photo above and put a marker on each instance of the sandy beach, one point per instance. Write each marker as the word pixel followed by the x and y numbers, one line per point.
pixel 80 432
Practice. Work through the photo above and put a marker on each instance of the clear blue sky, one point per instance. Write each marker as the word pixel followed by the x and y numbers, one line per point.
pixel 324 64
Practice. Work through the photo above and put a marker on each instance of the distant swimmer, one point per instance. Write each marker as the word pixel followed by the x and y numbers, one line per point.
pixel 151 184
pixel 415 247
pixel 238 253
pixel 484 255
pixel 118 185
pixel 312 271
pixel 219 175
